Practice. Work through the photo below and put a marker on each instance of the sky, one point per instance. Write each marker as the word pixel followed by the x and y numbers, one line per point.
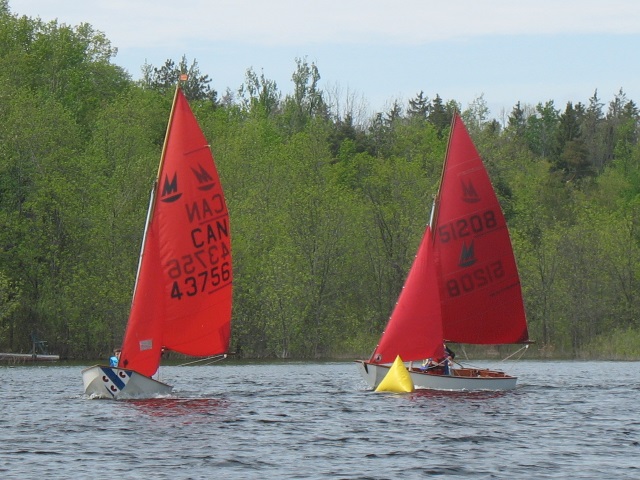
pixel 376 52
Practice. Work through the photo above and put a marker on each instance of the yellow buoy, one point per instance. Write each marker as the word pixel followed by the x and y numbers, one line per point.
pixel 397 379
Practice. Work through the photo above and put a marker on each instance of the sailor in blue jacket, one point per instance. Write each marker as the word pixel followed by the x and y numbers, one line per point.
pixel 113 361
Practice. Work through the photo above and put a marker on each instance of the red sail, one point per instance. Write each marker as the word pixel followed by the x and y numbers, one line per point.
pixel 480 287
pixel 414 330
pixel 182 299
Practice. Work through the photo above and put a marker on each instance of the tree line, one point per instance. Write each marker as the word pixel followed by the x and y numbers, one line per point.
pixel 327 202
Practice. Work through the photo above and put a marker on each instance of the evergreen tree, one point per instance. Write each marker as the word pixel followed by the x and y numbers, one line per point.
pixel 570 151
pixel 541 129
pixel 593 133
pixel 419 107
pixel 517 123
pixel 165 78
pixel 440 115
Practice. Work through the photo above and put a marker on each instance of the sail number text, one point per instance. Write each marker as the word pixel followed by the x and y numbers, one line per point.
pixel 198 275
pixel 464 227
pixel 478 278
pixel 207 267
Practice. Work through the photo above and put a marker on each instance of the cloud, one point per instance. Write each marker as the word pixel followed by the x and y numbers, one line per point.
pixel 157 23
pixel 508 50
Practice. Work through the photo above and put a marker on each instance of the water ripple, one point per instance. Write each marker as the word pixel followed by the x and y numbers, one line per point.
pixel 318 421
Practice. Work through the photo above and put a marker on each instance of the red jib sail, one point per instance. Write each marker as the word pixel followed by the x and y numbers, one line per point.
pixel 414 330
pixel 183 293
pixel 479 283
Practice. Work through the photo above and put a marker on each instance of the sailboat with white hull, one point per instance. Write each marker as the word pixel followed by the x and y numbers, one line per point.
pixel 463 286
pixel 183 293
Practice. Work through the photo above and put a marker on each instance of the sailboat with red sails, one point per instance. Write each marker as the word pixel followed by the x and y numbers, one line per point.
pixel 463 286
pixel 183 291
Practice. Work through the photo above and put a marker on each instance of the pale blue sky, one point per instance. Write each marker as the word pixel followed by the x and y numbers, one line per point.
pixel 381 50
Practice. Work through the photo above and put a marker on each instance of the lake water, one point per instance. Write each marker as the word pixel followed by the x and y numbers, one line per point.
pixel 318 421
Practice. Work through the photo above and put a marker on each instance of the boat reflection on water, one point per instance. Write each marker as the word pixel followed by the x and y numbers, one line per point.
pixel 180 407
pixel 457 395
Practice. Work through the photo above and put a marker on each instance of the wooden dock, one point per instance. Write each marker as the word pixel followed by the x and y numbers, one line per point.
pixel 27 357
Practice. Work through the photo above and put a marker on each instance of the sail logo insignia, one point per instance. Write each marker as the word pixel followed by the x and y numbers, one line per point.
pixel 467 256
pixel 204 178
pixel 170 189
pixel 469 194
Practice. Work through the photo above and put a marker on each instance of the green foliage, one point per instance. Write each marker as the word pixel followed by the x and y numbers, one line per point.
pixel 327 209
pixel 306 102
pixel 70 64
pixel 9 303
pixel 258 94
pixel 619 344
pixel 165 78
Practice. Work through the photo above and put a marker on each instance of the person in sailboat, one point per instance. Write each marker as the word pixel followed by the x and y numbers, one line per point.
pixel 440 366
pixel 432 365
pixel 115 358
pixel 449 354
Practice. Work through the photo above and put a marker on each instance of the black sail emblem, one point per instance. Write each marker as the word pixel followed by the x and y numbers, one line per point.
pixel 467 256
pixel 469 194
pixel 170 191
pixel 204 178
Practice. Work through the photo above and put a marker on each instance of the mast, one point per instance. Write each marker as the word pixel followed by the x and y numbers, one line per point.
pixel 154 188
pixel 183 77
pixel 433 220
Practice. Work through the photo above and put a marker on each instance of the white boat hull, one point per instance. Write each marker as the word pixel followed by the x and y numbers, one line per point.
pixel 463 379
pixel 112 383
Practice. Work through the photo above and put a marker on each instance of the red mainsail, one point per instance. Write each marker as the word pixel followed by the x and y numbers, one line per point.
pixel 414 330
pixel 183 294
pixel 479 284
pixel 463 286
